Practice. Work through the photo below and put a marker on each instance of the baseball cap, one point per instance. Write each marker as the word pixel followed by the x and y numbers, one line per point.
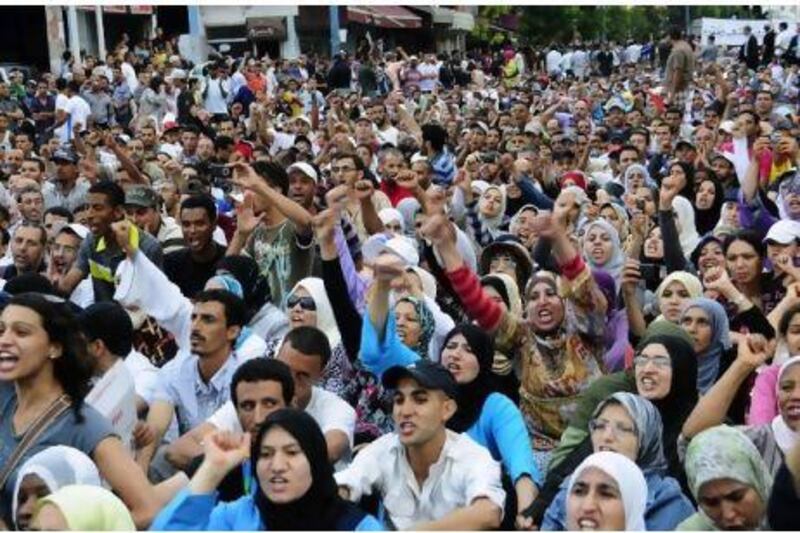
pixel 79 230
pixel 305 169
pixel 685 142
pixel 65 154
pixel 177 74
pixel 303 119
pixel 141 196
pixel 430 375
pixel 403 248
pixel 783 232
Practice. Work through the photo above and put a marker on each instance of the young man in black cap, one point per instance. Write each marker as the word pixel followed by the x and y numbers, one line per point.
pixel 68 191
pixel 141 203
pixel 427 476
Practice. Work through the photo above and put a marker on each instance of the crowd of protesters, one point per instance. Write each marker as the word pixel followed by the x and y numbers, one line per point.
pixel 550 289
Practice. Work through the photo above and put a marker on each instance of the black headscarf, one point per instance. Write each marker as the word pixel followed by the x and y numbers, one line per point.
pixel 472 395
pixel 688 189
pixel 321 508
pixel 678 404
pixel 705 220
pixel 254 286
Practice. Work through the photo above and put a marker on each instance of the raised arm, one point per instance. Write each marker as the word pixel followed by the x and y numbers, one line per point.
pixel 673 253
pixel 347 317
pixel 245 177
pixel 710 411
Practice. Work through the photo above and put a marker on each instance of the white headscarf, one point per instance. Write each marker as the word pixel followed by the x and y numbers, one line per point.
pixel 687 230
pixel 390 214
pixel 326 322
pixel 630 481
pixel 784 435
pixel 57 467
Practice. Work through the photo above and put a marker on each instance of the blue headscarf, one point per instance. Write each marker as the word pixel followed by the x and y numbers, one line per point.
pixel 708 360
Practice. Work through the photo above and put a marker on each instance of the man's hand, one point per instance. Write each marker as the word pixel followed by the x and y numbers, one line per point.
pixel 407 179
pixel 325 224
pixel 336 198
pixel 439 230
pixel 246 219
pixel 364 190
pixel 246 178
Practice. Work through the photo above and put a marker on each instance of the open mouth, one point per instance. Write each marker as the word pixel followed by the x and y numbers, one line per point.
pixel 8 362
pixel 588 524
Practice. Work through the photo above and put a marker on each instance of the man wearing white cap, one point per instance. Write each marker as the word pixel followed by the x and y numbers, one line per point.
pixel 782 246
pixel 62 256
pixel 303 181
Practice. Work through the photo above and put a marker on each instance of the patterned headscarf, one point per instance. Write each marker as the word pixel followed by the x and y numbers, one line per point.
pixel 646 418
pixel 427 325
pixel 724 452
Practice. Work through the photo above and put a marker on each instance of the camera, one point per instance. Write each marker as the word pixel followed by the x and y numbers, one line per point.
pixel 221 177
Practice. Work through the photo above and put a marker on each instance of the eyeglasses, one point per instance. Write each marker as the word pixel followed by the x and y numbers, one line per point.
pixel 619 429
pixel 341 170
pixel 306 303
pixel 660 361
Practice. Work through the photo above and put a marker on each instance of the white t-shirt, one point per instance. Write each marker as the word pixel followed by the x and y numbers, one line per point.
pixel 327 409
pixel 426 69
pixel 146 375
pixel 79 111
pixel 553 61
pixel 388 135
pixel 114 396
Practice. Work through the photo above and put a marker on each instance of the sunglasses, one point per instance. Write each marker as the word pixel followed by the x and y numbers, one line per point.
pixel 306 303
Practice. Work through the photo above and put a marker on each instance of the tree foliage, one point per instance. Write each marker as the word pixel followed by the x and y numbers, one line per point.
pixel 548 24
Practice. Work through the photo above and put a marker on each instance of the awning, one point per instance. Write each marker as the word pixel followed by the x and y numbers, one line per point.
pixel 393 17
pixel 266 28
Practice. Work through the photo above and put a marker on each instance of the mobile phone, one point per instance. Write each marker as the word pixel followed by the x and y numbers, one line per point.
pixel 219 172
pixel 650 272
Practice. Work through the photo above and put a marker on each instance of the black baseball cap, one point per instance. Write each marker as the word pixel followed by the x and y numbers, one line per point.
pixel 430 375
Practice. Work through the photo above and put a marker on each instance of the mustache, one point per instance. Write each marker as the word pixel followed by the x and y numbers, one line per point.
pixel 197 337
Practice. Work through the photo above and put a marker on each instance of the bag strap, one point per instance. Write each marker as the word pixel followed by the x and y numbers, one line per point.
pixel 32 434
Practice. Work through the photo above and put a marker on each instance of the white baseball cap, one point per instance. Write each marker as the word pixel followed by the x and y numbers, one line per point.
pixel 78 229
pixel 783 232
pixel 305 169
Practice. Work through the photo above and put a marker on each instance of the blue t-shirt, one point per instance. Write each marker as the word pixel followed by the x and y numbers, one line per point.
pixel 62 431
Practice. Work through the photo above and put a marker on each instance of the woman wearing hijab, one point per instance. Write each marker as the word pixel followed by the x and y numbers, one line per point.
pixel 722 460
pixel 293 487
pixel 664 373
pixel 637 176
pixel 617 491
pixel 45 473
pixel 671 296
pixel 393 222
pixel 486 214
pixel 265 319
pixel 308 305
pixel 82 508
pixel 503 290
pixel 602 248
pixel 630 425
pixel 617 216
pixel 708 200
pixel 773 439
pixel 559 344
pixel 764 404
pixel 486 415
pixel 707 324
pixel 687 231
